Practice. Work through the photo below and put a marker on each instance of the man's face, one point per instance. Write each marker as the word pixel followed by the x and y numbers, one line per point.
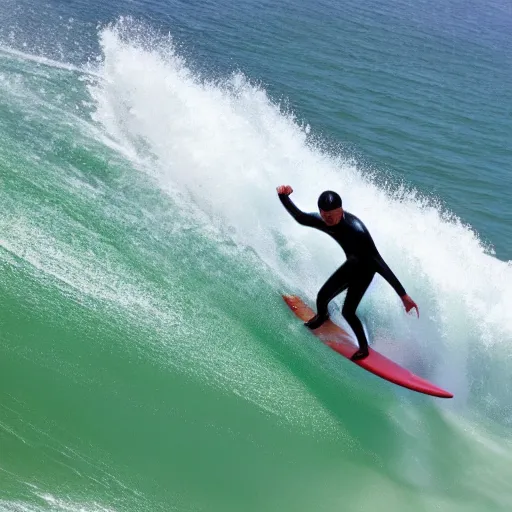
pixel 332 217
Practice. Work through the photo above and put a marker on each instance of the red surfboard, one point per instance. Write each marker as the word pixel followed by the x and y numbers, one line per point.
pixel 340 341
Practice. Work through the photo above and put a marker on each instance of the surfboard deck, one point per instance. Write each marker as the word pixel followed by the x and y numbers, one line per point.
pixel 340 341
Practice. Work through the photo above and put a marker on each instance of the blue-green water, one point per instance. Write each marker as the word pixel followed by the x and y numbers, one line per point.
pixel 147 361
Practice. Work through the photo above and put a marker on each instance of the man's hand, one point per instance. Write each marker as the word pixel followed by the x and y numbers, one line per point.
pixel 410 304
pixel 284 190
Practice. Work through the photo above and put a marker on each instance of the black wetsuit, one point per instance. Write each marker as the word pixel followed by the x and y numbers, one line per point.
pixel 356 274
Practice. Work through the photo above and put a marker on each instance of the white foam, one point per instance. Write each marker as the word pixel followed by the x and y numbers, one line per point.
pixel 54 504
pixel 41 60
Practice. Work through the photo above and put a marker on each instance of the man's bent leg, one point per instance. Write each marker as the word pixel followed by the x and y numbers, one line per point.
pixel 355 293
pixel 333 286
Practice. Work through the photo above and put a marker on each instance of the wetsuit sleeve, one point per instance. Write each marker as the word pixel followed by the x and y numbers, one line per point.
pixel 387 274
pixel 306 219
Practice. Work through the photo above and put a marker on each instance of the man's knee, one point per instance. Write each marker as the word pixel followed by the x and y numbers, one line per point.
pixel 348 313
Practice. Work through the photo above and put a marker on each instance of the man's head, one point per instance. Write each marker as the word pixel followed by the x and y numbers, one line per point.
pixel 329 205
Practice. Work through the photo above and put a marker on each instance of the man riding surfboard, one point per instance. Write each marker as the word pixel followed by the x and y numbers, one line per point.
pixel 356 274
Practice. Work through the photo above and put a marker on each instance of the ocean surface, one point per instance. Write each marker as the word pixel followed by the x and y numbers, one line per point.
pixel 147 360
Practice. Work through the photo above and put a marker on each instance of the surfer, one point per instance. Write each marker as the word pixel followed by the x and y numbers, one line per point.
pixel 356 274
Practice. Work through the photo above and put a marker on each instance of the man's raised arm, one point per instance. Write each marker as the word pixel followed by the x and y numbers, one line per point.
pixel 306 219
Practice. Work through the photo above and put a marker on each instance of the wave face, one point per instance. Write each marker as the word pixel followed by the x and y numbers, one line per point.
pixel 147 360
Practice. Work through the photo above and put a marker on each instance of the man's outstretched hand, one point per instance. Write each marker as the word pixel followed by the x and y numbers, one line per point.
pixel 284 190
pixel 410 304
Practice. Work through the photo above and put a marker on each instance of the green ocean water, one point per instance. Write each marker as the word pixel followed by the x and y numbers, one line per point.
pixel 147 361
